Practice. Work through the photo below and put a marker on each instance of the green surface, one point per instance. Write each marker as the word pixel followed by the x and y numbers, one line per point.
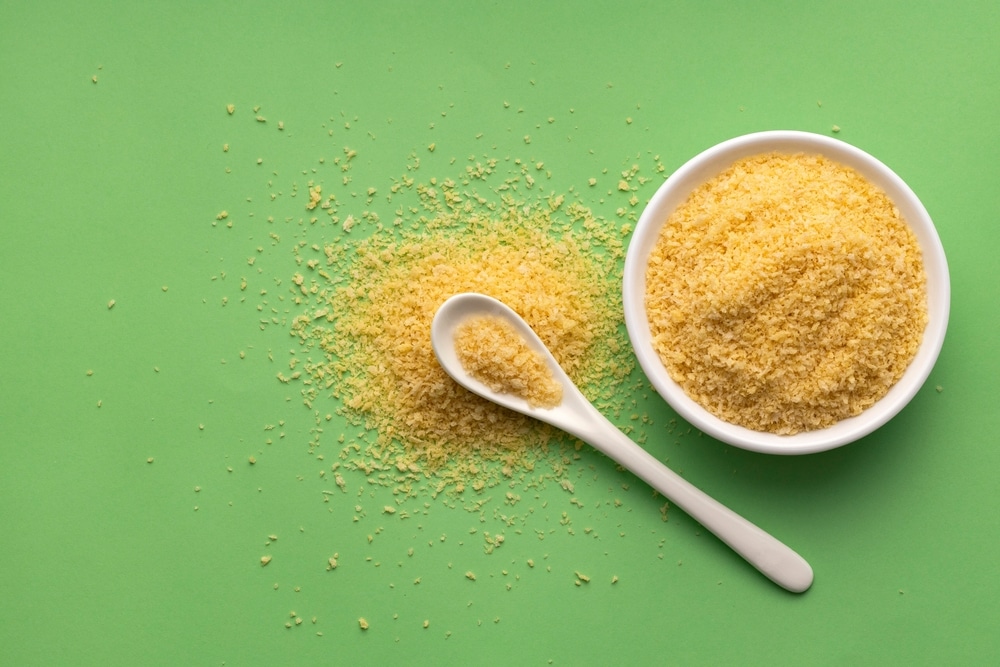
pixel 109 190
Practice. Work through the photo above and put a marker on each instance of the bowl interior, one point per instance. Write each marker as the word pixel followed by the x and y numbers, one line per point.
pixel 703 167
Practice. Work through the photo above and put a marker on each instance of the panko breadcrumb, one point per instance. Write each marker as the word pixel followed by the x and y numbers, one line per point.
pixel 786 294
pixel 492 351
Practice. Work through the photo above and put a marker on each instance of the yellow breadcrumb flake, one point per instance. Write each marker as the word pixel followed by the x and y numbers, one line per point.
pixel 315 197
pixel 363 623
pixel 491 350
pixel 786 294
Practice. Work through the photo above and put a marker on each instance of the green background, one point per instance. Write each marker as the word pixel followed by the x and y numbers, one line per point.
pixel 109 191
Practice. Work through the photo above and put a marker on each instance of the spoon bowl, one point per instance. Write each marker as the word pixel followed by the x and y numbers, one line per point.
pixel 578 417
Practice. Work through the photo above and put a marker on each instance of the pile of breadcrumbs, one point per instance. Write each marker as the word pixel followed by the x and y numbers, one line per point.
pixel 365 330
pixel 786 294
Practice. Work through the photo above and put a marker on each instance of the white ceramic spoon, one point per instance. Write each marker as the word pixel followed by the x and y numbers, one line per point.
pixel 578 417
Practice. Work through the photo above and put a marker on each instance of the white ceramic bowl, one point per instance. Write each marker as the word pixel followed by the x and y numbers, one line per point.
pixel 703 167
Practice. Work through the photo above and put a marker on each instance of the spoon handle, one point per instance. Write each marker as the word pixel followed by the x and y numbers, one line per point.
pixel 775 560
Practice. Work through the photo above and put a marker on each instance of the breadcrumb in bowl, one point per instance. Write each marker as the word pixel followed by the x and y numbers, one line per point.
pixel 795 324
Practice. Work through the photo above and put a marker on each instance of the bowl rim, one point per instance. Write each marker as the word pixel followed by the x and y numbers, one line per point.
pixel 676 188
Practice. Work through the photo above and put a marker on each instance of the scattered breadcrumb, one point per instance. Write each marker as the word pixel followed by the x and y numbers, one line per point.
pixel 264 560
pixel 365 334
pixel 360 302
